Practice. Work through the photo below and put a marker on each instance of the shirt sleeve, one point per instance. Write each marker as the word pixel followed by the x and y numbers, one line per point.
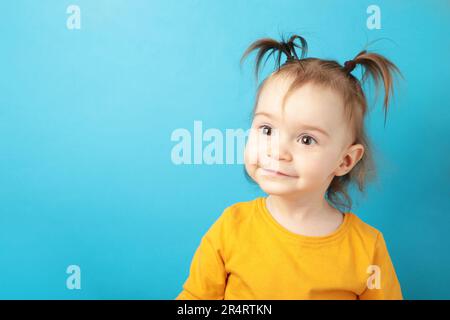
pixel 207 274
pixel 382 282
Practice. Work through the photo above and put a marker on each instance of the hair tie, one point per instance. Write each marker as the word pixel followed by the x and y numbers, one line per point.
pixel 289 48
pixel 349 65
pixel 291 59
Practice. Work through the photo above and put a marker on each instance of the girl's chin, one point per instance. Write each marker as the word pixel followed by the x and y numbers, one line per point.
pixel 275 187
pixel 278 192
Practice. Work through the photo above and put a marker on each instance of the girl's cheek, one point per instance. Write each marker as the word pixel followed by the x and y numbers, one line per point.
pixel 311 165
pixel 251 152
pixel 256 148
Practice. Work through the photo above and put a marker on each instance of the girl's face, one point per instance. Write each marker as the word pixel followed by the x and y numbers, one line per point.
pixel 302 149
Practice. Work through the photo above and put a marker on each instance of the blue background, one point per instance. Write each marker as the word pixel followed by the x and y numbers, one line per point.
pixel 86 117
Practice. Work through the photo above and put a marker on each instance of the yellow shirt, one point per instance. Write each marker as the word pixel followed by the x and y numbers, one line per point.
pixel 247 254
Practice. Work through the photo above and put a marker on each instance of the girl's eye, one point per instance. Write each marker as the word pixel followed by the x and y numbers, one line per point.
pixel 266 130
pixel 307 140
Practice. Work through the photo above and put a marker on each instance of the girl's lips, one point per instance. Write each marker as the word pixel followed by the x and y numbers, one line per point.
pixel 276 173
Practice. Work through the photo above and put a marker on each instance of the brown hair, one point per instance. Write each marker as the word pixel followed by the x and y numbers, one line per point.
pixel 331 74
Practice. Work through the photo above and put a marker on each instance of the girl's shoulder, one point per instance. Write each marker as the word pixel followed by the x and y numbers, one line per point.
pixel 362 229
pixel 231 223
pixel 238 212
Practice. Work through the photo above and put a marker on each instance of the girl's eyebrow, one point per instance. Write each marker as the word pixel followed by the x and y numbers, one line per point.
pixel 305 126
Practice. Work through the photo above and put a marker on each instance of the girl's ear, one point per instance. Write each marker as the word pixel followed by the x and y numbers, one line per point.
pixel 351 157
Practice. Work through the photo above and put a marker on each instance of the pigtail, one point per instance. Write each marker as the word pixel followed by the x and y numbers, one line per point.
pixel 379 69
pixel 267 44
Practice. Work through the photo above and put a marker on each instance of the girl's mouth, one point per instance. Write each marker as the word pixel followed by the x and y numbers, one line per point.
pixel 269 172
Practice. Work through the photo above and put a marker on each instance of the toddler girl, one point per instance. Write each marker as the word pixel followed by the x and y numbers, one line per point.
pixel 307 143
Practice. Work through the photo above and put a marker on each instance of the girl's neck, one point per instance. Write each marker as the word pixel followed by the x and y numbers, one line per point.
pixel 300 208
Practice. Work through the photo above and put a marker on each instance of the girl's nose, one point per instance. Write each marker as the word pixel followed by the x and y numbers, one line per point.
pixel 279 149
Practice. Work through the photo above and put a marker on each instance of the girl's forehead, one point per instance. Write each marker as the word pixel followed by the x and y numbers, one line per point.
pixel 310 104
